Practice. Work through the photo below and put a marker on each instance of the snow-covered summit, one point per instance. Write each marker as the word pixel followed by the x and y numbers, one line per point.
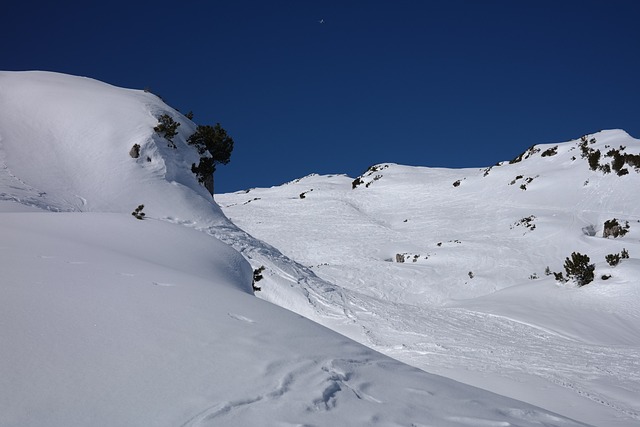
pixel 66 143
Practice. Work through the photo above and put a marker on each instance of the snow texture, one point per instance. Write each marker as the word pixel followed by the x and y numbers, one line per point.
pixel 110 320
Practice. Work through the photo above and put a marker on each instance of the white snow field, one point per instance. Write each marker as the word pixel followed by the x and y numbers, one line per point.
pixel 107 320
pixel 510 328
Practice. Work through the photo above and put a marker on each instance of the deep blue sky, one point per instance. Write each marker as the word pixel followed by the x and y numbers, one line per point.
pixel 431 83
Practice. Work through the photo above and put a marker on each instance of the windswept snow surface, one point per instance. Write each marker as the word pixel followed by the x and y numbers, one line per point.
pixel 108 320
pixel 471 301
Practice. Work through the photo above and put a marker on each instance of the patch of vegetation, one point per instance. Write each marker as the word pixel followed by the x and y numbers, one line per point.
pixel 528 153
pixel 304 194
pixel 594 159
pixel 257 276
pixel 456 183
pixel 138 212
pixel 375 178
pixel 579 269
pixel 550 152
pixel 612 259
pixel 214 146
pixel 613 228
pixel 370 171
pixel 584 145
pixel 526 222
pixel 515 179
pixel 167 128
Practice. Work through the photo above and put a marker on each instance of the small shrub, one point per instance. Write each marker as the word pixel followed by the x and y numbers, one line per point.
pixel 456 183
pixel 534 276
pixel 375 178
pixel 550 152
pixel 578 268
pixel 547 271
pixel 632 160
pixel 624 254
pixel 189 115
pixel 304 194
pixel 526 222
pixel 594 159
pixel 470 274
pixel 356 182
pixel 613 228
pixel 138 212
pixel 605 277
pixel 618 162
pixel 168 128
pixel 257 276
pixel 559 277
pixel 528 153
pixel 612 259
pixel 515 179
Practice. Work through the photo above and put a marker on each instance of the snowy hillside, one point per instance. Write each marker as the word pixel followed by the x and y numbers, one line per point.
pixel 109 320
pixel 452 270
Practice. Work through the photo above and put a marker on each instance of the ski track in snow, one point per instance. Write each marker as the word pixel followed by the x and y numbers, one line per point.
pixel 345 287
pixel 463 344
pixel 448 338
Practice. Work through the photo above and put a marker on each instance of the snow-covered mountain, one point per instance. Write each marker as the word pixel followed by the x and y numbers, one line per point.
pixel 451 270
pixel 109 320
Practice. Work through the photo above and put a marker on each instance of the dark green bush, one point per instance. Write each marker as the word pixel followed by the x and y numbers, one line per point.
pixel 578 268
pixel 594 159
pixel 550 152
pixel 168 128
pixel 138 212
pixel 613 228
pixel 214 146
pixel 612 259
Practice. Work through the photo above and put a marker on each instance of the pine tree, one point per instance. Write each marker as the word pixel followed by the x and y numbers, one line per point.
pixel 214 146
pixel 579 269
pixel 168 128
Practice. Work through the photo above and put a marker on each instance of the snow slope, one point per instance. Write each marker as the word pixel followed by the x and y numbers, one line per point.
pixel 471 300
pixel 108 320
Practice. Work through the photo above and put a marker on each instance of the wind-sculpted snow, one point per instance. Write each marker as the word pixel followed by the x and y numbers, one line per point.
pixel 474 297
pixel 106 319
